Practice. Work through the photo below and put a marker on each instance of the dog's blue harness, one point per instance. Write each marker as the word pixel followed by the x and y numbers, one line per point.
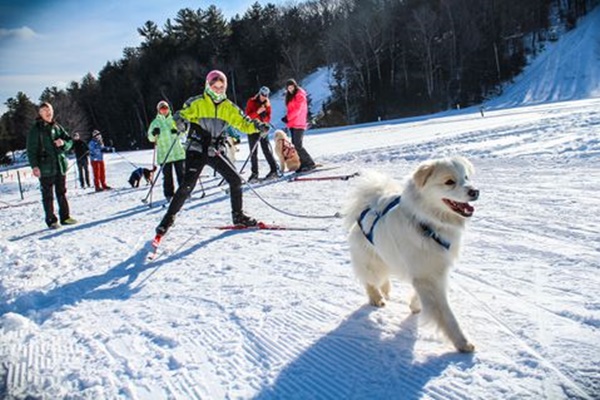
pixel 426 229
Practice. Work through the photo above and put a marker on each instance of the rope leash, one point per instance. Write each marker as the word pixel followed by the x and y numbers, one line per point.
pixel 245 182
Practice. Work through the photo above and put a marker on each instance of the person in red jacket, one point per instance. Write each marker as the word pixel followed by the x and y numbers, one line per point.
pixel 295 119
pixel 259 107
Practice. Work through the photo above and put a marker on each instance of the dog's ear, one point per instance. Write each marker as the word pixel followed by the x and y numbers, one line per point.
pixel 469 168
pixel 423 173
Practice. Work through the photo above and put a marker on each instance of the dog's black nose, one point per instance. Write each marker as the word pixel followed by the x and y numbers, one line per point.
pixel 473 194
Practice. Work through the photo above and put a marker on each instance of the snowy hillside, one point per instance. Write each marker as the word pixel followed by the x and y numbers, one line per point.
pixel 567 70
pixel 279 314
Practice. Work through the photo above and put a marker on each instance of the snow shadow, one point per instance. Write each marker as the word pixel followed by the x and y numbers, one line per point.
pixel 118 283
pixel 355 361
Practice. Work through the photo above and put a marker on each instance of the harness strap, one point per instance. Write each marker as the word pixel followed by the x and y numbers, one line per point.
pixel 426 229
pixel 287 149
pixel 364 213
pixel 428 232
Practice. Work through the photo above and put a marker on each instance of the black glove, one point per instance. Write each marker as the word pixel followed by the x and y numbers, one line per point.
pixel 156 131
pixel 284 120
pixel 262 128
pixel 174 131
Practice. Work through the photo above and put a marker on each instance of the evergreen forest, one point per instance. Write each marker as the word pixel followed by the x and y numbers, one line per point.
pixel 391 58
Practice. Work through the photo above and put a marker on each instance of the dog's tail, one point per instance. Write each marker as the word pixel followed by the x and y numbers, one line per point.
pixel 372 189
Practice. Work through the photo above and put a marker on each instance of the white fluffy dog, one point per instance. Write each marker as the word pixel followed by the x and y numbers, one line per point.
pixel 413 233
pixel 232 149
pixel 286 152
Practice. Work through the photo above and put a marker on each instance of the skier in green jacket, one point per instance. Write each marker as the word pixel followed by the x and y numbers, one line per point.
pixel 209 115
pixel 169 150
pixel 47 145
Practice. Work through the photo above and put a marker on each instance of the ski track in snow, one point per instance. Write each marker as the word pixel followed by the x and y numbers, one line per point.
pixel 239 314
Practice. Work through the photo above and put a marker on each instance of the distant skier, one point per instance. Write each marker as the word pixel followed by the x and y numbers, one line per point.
pixel 96 146
pixel 169 150
pixel 259 107
pixel 296 121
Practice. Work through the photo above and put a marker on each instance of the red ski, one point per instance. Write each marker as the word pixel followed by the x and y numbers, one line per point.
pixel 342 177
pixel 154 245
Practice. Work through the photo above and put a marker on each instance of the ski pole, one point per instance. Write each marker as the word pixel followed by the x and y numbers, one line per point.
pixel 201 187
pixel 149 195
pixel 245 162
pixel 125 158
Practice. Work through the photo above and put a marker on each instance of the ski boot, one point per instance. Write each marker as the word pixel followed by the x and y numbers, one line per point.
pixel 242 220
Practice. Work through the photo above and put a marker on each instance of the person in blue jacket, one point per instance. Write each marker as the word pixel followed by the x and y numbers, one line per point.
pixel 96 146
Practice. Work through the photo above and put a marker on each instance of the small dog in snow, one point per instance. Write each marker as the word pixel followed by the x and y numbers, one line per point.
pixel 413 233
pixel 286 152
pixel 139 173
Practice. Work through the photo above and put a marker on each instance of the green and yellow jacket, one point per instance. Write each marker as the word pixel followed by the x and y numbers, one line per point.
pixel 213 119
pixel 41 151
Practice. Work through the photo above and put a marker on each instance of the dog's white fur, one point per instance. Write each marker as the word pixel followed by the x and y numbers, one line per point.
pixel 231 149
pixel 287 159
pixel 400 247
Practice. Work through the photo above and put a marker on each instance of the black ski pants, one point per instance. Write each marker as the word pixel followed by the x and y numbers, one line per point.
pixel 266 149
pixel 58 183
pixel 168 185
pixel 297 139
pixel 83 171
pixel 194 163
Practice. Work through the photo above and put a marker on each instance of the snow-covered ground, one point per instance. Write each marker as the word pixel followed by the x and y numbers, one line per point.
pixel 279 314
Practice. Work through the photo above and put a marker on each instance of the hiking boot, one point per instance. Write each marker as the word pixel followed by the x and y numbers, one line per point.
pixel 253 177
pixel 54 225
pixel 241 219
pixel 271 175
pixel 69 221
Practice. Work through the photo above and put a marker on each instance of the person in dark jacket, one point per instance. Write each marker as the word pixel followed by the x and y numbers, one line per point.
pixel 259 107
pixel 47 145
pixel 82 155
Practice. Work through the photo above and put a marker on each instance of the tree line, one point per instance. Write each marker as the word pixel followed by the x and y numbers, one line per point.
pixel 391 58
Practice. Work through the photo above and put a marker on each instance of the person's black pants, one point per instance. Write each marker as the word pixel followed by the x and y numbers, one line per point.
pixel 194 163
pixel 84 172
pixel 168 185
pixel 59 184
pixel 266 149
pixel 297 139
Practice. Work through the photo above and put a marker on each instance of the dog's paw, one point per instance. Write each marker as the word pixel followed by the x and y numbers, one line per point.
pixel 377 302
pixel 466 347
pixel 415 304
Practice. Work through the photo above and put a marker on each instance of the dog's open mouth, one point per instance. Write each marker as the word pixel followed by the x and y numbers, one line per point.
pixel 464 209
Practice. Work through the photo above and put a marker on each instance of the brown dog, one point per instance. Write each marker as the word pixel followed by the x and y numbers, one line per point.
pixel 286 152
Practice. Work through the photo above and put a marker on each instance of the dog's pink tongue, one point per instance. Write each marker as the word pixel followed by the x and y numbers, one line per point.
pixel 467 208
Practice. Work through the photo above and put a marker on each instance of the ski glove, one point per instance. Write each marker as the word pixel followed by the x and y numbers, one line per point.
pixel 284 120
pixel 174 131
pixel 156 131
pixel 262 128
pixel 181 125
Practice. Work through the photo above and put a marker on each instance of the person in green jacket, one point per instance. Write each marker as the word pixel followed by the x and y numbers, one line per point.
pixel 208 116
pixel 47 145
pixel 169 150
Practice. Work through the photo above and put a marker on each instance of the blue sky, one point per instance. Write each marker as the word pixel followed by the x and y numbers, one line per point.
pixel 53 42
